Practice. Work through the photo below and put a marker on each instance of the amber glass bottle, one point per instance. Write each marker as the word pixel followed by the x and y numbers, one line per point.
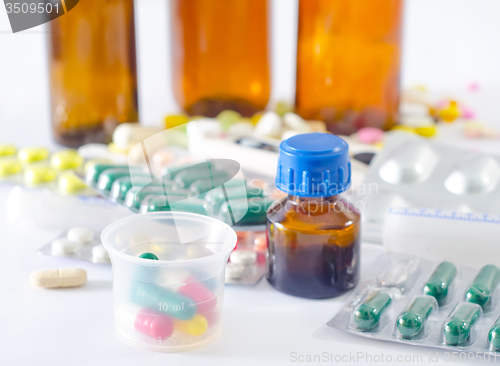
pixel 93 71
pixel 313 234
pixel 348 62
pixel 220 55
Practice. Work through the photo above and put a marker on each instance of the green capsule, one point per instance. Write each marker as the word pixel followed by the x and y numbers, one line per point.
pixel 494 336
pixel 411 321
pixel 122 185
pixel 156 203
pixel 245 212
pixel 109 176
pixel 161 299
pixel 172 172
pixel 186 178
pixel 201 186
pixel 483 285
pixel 439 282
pixel 367 315
pixel 136 195
pixel 148 255
pixel 458 326
pixel 95 170
pixel 216 196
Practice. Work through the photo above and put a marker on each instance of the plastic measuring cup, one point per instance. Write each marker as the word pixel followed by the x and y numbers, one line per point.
pixel 174 303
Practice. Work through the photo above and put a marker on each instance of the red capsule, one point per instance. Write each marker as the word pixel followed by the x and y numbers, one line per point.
pixel 154 324
pixel 202 296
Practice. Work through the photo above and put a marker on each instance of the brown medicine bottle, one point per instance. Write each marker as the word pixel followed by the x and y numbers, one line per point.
pixel 313 234
pixel 348 62
pixel 93 71
pixel 220 55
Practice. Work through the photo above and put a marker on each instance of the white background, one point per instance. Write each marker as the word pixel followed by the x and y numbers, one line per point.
pixel 447 45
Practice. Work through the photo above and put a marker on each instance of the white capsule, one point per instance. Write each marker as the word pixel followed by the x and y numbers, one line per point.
pixel 296 123
pixel 243 257
pixel 63 246
pixel 80 235
pixel 99 253
pixel 127 135
pixel 234 271
pixel 269 125
pixel 56 278
pixel 240 129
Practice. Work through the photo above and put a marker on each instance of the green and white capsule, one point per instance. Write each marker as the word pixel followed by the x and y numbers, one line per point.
pixel 457 328
pixel 411 321
pixel 439 283
pixel 484 284
pixel 367 315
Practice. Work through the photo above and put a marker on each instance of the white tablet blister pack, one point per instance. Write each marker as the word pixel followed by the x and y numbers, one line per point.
pixel 419 302
pixel 413 172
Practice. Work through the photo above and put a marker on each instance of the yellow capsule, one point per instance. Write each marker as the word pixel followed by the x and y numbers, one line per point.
pixel 9 165
pixel 115 149
pixel 403 128
pixel 32 154
pixel 39 173
pixel 196 326
pixel 256 117
pixel 70 183
pixel 66 159
pixel 451 113
pixel 175 120
pixel 426 131
pixel 7 150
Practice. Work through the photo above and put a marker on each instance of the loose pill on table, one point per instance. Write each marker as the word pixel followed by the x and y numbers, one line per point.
pixel 39 174
pixel 243 257
pixel 204 299
pixel 269 125
pixel 457 327
pixel 165 301
pixel 64 246
pixel 33 154
pixel 58 278
pixel 70 183
pixel 149 256
pixel 66 159
pixel 234 271
pixel 413 318
pixel 154 324
pixel 80 235
pixel 494 336
pixel 439 282
pixel 370 135
pixel 484 284
pixel 227 118
pixel 7 150
pixel 99 253
pixel 9 165
pixel 367 315
pixel 195 326
pixel 296 123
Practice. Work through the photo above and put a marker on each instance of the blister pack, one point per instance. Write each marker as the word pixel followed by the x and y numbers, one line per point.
pixel 435 304
pixel 413 172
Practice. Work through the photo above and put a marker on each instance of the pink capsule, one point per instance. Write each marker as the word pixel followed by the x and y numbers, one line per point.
pixel 154 324
pixel 202 296
pixel 370 135
pixel 468 113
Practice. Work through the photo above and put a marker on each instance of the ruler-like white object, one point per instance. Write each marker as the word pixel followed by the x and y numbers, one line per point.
pixel 468 239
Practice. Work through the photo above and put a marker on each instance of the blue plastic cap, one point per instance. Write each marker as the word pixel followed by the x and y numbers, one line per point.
pixel 314 165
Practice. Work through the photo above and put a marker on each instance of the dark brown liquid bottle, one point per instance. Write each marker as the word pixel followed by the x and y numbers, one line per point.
pixel 220 55
pixel 93 71
pixel 348 63
pixel 313 234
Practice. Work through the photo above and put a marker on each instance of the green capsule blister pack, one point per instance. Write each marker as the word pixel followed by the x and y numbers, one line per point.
pixel 438 304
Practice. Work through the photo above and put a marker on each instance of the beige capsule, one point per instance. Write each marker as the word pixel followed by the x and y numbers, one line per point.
pixel 56 278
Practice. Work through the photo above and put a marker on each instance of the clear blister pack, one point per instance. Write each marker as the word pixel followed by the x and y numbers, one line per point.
pixel 425 303
pixel 412 172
